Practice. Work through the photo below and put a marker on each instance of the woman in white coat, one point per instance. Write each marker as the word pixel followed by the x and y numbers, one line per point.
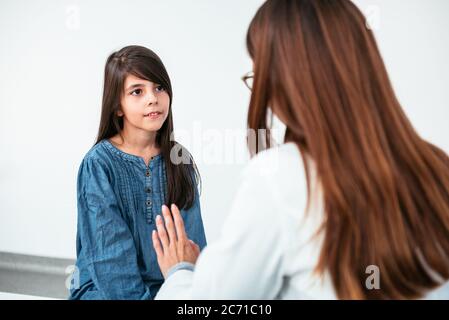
pixel 353 205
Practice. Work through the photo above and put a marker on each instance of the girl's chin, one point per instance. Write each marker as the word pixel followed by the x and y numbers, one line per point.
pixel 151 129
pixel 147 124
pixel 157 125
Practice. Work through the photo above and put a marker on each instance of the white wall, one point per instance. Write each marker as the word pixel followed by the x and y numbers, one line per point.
pixel 52 55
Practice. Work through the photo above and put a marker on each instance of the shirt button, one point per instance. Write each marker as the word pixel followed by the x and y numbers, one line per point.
pixel 148 190
pixel 148 202
pixel 147 173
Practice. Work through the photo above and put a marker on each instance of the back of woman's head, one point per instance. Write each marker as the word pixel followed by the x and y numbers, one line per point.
pixel 385 189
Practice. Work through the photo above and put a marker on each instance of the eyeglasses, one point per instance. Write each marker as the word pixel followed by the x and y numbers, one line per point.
pixel 248 79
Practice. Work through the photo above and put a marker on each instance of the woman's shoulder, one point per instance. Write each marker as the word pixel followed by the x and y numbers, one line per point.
pixel 282 161
pixel 279 175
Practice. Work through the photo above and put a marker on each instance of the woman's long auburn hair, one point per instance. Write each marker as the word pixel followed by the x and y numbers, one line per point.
pixel 183 177
pixel 385 189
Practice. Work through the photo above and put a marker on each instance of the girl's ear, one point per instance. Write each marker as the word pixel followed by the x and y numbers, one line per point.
pixel 119 113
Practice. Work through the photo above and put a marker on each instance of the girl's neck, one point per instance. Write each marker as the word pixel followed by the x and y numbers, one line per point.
pixel 141 144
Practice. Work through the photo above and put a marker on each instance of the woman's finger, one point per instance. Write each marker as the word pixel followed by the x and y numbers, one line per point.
pixel 157 244
pixel 162 233
pixel 169 224
pixel 179 223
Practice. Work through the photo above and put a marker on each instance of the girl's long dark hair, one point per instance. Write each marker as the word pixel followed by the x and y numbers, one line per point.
pixel 385 189
pixel 182 178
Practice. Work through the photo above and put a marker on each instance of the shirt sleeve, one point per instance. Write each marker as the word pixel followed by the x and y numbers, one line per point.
pixel 246 262
pixel 105 237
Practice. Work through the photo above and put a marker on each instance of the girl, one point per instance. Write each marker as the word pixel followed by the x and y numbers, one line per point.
pixel 374 223
pixel 126 177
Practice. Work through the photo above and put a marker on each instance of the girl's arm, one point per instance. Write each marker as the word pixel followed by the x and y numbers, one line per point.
pixel 106 240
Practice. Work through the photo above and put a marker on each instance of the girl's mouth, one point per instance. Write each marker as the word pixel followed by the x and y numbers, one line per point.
pixel 152 115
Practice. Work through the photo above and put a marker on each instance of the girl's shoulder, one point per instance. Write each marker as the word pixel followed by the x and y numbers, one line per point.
pixel 97 162
pixel 99 155
pixel 97 151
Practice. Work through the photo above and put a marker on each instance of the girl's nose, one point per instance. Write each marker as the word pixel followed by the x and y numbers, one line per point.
pixel 152 98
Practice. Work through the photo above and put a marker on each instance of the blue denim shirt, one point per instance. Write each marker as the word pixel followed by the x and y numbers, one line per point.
pixel 119 197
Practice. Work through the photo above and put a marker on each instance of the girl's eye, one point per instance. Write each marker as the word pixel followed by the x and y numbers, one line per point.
pixel 160 88
pixel 136 92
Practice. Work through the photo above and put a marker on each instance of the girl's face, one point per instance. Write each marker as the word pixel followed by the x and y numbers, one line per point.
pixel 145 104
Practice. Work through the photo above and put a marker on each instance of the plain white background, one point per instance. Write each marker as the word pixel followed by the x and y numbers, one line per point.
pixel 51 65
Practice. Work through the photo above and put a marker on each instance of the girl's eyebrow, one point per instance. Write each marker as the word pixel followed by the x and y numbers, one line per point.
pixel 136 85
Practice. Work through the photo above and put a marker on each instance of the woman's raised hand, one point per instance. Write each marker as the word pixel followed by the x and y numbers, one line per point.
pixel 170 241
